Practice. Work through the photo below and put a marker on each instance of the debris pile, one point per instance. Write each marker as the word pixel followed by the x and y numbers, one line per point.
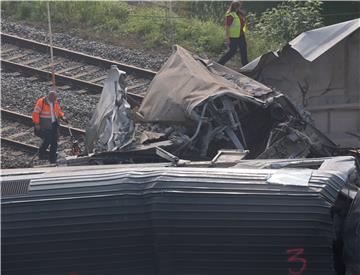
pixel 193 109
pixel 224 109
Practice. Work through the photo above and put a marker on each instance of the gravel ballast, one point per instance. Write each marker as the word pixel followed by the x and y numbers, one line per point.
pixel 140 58
pixel 19 94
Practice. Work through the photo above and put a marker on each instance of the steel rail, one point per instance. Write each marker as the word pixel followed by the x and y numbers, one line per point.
pixel 20 145
pixel 28 121
pixel 134 99
pixel 94 60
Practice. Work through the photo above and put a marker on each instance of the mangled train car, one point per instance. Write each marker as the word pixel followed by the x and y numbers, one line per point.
pixel 197 108
pixel 223 109
pixel 254 217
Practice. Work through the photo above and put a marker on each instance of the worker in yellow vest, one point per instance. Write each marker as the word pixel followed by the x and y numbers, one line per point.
pixel 235 28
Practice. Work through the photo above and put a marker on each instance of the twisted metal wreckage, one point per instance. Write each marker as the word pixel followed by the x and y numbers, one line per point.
pixel 292 215
pixel 193 109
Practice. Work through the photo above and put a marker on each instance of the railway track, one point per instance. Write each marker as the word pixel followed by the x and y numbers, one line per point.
pixel 75 71
pixel 17 132
pixel 86 72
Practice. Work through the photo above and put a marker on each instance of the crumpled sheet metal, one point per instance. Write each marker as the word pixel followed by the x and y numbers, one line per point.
pixel 111 127
pixel 311 44
pixel 185 81
pixel 224 109
pixel 316 64
pixel 319 70
pixel 291 176
pixel 344 166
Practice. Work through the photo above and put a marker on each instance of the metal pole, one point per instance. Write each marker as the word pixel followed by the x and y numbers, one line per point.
pixel 51 48
pixel 172 29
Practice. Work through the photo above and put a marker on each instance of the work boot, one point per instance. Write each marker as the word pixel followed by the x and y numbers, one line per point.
pixel 53 157
pixel 42 157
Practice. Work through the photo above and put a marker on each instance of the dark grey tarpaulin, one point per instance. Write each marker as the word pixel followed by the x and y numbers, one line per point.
pixel 319 70
pixel 186 80
pixel 167 220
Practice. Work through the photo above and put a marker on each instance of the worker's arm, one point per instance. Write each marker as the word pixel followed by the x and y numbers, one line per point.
pixel 60 114
pixel 36 113
pixel 58 111
pixel 242 17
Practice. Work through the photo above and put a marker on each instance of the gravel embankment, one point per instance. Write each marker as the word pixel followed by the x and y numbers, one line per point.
pixel 19 94
pixel 140 58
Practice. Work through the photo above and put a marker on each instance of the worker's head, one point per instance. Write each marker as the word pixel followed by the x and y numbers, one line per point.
pixel 52 96
pixel 234 6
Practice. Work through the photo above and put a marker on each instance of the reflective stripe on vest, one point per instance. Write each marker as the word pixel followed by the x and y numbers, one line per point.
pixel 234 29
pixel 42 115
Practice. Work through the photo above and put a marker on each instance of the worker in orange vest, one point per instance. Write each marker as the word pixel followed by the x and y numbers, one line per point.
pixel 235 28
pixel 46 115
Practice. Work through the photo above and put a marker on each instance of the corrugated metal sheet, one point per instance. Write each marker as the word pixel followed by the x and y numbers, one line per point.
pixel 170 221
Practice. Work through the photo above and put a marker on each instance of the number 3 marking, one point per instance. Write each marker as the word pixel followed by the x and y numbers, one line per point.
pixel 296 252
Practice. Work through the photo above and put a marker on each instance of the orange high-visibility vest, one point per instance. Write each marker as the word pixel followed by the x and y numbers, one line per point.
pixel 42 111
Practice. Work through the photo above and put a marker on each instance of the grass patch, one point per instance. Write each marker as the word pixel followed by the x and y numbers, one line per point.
pixel 147 24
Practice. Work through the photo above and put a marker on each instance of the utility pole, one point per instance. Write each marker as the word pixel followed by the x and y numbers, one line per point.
pixel 171 27
pixel 51 48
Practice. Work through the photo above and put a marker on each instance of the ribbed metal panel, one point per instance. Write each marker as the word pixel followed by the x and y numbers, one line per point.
pixel 170 221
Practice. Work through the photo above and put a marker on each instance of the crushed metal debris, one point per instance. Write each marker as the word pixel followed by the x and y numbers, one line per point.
pixel 198 108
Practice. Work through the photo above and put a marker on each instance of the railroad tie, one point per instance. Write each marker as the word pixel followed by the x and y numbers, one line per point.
pixel 49 65
pixel 31 61
pixel 86 72
pixel 17 56
pixel 98 79
pixel 65 70
pixel 6 51
pixel 17 135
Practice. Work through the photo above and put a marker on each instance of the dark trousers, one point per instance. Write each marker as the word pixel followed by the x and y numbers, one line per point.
pixel 50 137
pixel 234 44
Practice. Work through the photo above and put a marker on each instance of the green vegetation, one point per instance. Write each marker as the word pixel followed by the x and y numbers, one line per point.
pixel 287 20
pixel 194 25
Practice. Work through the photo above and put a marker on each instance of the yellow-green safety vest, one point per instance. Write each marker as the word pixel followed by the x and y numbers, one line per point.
pixel 234 29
